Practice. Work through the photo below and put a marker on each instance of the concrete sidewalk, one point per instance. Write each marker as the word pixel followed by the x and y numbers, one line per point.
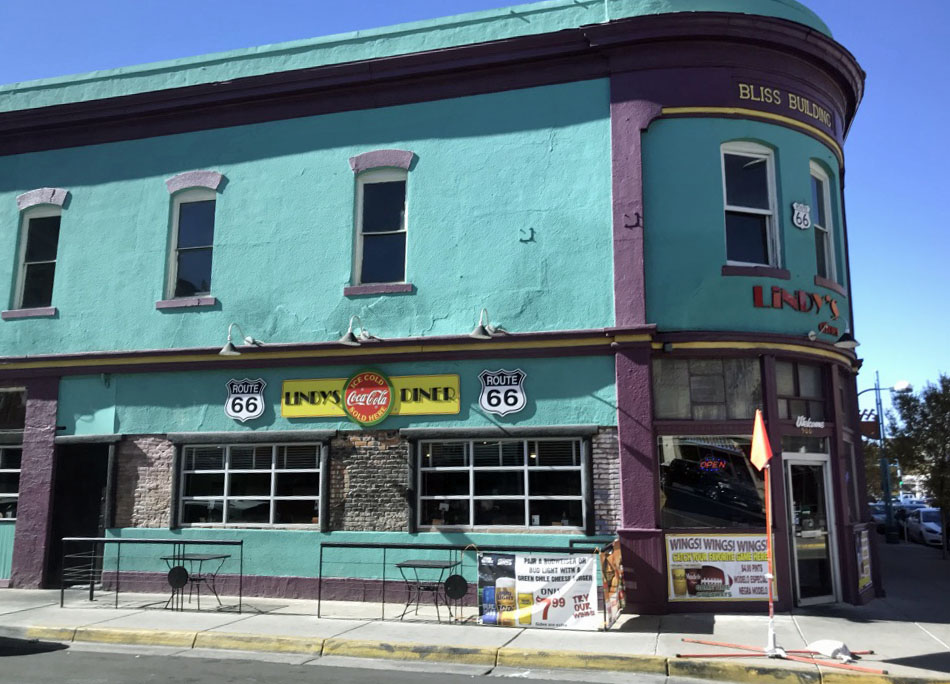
pixel 909 632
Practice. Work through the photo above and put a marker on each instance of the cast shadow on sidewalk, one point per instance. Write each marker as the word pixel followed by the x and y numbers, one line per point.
pixel 21 647
pixel 939 662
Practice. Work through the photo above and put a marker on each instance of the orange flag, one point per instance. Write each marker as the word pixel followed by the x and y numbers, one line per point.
pixel 761 450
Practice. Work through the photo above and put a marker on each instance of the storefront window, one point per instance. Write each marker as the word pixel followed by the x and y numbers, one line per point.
pixel 251 484
pixel 516 483
pixel 9 481
pixel 12 410
pixel 706 389
pixel 801 390
pixel 804 444
pixel 709 482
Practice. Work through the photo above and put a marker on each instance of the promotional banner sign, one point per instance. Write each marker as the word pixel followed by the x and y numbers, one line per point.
pixel 863 546
pixel 522 590
pixel 369 396
pixel 502 391
pixel 245 399
pixel 717 567
pixel 611 572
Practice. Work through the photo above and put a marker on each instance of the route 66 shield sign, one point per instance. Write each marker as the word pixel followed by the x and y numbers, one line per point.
pixel 245 399
pixel 502 391
pixel 801 215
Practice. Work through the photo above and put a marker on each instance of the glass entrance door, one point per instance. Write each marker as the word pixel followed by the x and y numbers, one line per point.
pixel 812 528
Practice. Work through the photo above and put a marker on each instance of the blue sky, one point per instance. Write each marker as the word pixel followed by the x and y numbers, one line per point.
pixel 898 214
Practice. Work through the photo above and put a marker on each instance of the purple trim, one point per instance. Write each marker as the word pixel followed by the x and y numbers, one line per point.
pixel 756 272
pixel 643 556
pixel 396 159
pixel 39 312
pixel 34 511
pixel 628 118
pixel 722 46
pixel 377 289
pixel 194 179
pixel 186 302
pixel 4 583
pixel 56 196
pixel 830 285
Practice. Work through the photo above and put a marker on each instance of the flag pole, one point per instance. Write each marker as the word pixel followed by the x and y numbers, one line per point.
pixel 772 649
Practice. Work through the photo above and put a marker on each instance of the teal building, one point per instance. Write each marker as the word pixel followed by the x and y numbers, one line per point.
pixel 517 277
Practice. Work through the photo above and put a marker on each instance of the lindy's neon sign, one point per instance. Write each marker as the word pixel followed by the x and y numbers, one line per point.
pixel 799 300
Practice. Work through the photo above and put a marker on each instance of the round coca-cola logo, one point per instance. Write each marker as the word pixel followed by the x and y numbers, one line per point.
pixel 368 397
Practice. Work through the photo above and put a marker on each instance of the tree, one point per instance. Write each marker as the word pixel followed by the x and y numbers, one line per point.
pixel 872 469
pixel 921 431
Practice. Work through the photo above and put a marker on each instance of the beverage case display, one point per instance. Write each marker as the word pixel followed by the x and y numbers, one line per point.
pixel 538 591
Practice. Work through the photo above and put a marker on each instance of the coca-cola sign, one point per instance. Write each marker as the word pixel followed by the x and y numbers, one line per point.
pixel 368 397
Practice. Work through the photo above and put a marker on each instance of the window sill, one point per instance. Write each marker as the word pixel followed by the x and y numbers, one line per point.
pixel 186 302
pixel 830 285
pixel 756 272
pixel 41 312
pixel 378 289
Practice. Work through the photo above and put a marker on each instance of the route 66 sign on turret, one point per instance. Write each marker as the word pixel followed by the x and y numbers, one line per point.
pixel 245 399
pixel 801 215
pixel 502 391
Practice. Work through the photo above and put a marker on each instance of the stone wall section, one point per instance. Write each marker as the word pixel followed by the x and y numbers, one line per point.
pixel 369 482
pixel 144 481
pixel 605 453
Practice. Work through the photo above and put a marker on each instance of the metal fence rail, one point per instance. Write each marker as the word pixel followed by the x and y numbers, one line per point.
pixel 101 562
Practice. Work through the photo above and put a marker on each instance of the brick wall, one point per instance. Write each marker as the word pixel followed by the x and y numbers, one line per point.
pixel 143 481
pixel 606 485
pixel 369 480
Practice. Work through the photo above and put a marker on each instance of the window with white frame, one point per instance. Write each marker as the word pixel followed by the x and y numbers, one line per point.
pixel 9 481
pixel 39 244
pixel 381 226
pixel 748 174
pixel 821 220
pixel 251 484
pixel 511 483
pixel 192 243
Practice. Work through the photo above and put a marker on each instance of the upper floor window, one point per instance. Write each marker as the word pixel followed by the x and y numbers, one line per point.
pixel 749 194
pixel 381 226
pixel 39 244
pixel 194 198
pixel 192 243
pixel 801 390
pixel 821 220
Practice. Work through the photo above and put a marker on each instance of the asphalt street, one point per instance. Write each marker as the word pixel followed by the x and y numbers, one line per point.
pixel 23 662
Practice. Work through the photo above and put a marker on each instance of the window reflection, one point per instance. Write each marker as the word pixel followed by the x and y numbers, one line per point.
pixel 709 482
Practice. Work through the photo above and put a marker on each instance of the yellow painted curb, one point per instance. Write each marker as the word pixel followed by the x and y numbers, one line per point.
pixel 409 651
pixel 259 642
pixel 144 637
pixel 830 676
pixel 580 660
pixel 53 633
pixel 738 672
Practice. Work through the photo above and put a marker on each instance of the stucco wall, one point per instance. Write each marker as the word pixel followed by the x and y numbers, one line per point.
pixel 685 229
pixel 501 184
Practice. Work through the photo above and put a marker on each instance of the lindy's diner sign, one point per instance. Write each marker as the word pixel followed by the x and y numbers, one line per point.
pixel 369 397
pixel 801 301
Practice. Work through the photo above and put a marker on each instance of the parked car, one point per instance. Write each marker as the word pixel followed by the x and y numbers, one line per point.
pixel 877 515
pixel 924 525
